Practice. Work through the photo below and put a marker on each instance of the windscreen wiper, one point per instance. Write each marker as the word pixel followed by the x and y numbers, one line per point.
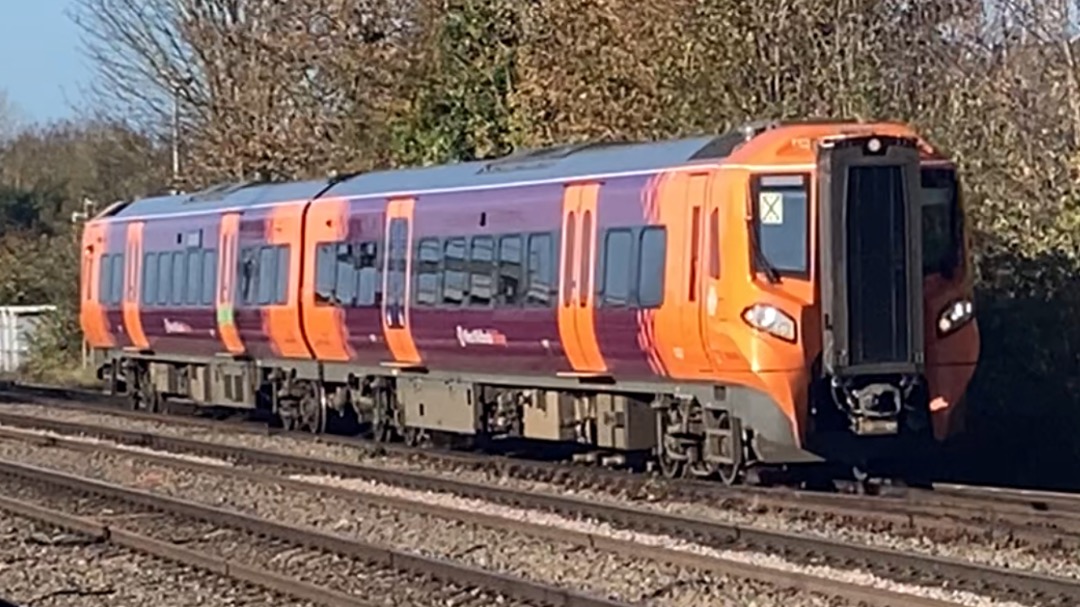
pixel 761 261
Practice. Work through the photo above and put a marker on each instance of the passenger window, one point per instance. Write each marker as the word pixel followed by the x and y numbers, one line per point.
pixel 325 272
pixel 118 279
pixel 541 270
pixel 194 277
pixel 267 275
pixel 105 279
pixel 369 292
pixel 209 277
pixel 651 256
pixel 454 276
pixel 281 293
pixel 617 267
pixel 510 270
pixel 345 283
pixel 178 277
pixel 164 278
pixel 427 272
pixel 481 268
pixel 248 272
pixel 587 237
pixel 149 284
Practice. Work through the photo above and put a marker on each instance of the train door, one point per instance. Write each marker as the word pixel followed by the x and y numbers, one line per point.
pixel 713 312
pixel 396 271
pixel 577 292
pixel 133 264
pixel 225 298
pixel 684 211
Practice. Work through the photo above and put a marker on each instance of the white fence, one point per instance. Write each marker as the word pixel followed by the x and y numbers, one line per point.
pixel 17 324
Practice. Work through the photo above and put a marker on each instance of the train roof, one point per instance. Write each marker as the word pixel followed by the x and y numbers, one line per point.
pixel 547 164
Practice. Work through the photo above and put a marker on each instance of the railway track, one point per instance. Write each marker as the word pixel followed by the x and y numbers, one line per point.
pixel 224 540
pixel 906 568
pixel 1035 518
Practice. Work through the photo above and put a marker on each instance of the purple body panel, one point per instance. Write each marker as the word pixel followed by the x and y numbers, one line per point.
pixel 620 203
pixel 363 324
pixel 116 243
pixel 189 329
pixel 530 336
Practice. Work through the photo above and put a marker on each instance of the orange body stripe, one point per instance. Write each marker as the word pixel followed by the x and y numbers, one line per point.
pixel 132 282
pixel 324 325
pixel 399 339
pixel 227 251
pixel 282 322
pixel 92 315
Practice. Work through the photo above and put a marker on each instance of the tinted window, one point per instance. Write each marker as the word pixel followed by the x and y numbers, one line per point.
pixel 118 279
pixel 281 292
pixel 454 276
pixel 940 237
pixel 149 284
pixel 369 293
pixel 345 283
pixel 427 272
pixel 510 270
pixel 651 256
pixel 105 279
pixel 541 270
pixel 481 268
pixel 325 272
pixel 586 258
pixel 164 278
pixel 617 266
pixel 267 275
pixel 209 277
pixel 248 275
pixel 780 211
pixel 179 278
pixel 194 277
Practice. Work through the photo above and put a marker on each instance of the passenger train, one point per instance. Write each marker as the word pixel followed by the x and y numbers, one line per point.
pixel 777 296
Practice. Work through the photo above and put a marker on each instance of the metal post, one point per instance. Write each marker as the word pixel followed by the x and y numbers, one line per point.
pixel 176 136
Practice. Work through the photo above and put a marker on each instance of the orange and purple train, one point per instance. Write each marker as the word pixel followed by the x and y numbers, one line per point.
pixel 781 294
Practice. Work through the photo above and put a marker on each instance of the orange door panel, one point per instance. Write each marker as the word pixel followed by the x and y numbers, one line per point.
pixel 397 267
pixel 91 313
pixel 132 280
pixel 716 317
pixel 577 294
pixel 282 321
pixel 226 287
pixel 680 334
pixel 324 325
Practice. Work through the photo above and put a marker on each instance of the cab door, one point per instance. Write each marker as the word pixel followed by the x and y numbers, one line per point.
pixel 577 280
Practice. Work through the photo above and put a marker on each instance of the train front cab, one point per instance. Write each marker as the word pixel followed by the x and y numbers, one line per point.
pixel 857 328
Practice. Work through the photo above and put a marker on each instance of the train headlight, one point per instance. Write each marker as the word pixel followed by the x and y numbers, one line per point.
pixel 954 316
pixel 770 319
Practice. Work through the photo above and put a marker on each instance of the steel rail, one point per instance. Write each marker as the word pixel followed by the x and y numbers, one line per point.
pixel 172 552
pixel 455 573
pixel 902 566
pixel 999 511
pixel 783 579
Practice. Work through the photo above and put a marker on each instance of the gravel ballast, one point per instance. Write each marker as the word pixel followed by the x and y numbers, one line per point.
pixel 570 565
pixel 987 549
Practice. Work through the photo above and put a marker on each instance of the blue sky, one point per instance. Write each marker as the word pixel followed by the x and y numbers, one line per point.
pixel 42 68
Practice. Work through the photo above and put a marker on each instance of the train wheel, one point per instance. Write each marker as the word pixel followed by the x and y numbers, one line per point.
pixel 671 468
pixel 311 410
